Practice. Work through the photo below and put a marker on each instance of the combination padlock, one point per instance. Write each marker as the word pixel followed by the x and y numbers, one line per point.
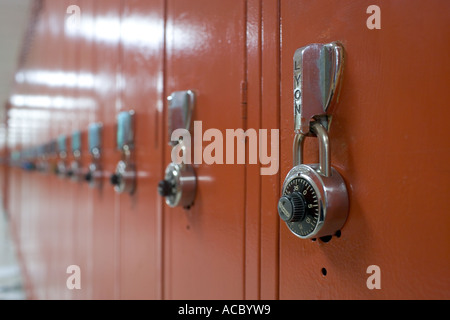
pixel 75 170
pixel 61 167
pixel 179 184
pixel 314 201
pixel 94 175
pixel 124 178
pixel 180 181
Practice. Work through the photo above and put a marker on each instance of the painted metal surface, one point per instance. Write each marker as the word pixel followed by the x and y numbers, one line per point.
pixel 105 213
pixel 204 246
pixel 386 139
pixel 379 145
pixel 140 244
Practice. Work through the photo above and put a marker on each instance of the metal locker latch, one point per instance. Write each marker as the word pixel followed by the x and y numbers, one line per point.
pixel 314 201
pixel 94 174
pixel 75 171
pixel 180 182
pixel 61 169
pixel 124 178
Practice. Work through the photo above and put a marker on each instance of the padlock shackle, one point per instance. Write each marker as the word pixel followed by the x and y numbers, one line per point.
pixel 299 141
pixel 324 148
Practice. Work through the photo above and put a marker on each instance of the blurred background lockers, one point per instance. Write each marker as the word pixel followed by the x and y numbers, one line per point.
pixel 389 141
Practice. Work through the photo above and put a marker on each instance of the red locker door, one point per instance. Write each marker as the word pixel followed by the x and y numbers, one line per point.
pixel 388 146
pixel 204 246
pixel 105 202
pixel 85 113
pixel 67 193
pixel 142 39
pixel 263 91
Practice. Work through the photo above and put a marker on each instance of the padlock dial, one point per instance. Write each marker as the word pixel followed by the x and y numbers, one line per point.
pixel 166 188
pixel 179 185
pixel 292 207
pixel 124 179
pixel 299 207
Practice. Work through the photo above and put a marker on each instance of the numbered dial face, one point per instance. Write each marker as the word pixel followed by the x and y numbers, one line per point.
pixel 300 188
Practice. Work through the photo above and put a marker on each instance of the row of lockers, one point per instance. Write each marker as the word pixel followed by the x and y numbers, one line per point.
pixel 86 62
pixel 118 240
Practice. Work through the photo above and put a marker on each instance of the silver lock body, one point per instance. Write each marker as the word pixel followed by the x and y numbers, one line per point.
pixel 75 170
pixel 326 208
pixel 126 177
pixel 94 175
pixel 61 167
pixel 332 200
pixel 183 183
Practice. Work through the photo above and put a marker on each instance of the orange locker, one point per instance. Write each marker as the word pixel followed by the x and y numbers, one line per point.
pixel 84 114
pixel 263 112
pixel 105 203
pixel 141 90
pixel 204 247
pixel 380 145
